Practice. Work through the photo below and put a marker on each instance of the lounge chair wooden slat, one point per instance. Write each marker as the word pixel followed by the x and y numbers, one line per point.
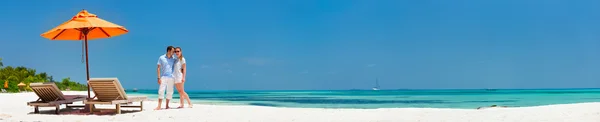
pixel 50 96
pixel 110 91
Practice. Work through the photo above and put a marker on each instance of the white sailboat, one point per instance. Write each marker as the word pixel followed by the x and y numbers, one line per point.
pixel 376 84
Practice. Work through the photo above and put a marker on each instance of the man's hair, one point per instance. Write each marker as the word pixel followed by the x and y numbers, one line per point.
pixel 169 48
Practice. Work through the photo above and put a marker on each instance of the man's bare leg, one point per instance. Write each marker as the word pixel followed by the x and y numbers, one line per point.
pixel 159 104
pixel 167 106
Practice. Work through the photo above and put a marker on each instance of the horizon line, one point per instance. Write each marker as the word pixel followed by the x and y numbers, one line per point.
pixel 388 89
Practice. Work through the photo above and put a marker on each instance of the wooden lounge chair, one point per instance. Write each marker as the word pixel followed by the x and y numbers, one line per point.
pixel 50 96
pixel 110 91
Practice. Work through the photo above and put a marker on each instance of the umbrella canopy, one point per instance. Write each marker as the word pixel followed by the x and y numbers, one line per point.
pixel 21 84
pixel 85 26
pixel 6 84
pixel 82 25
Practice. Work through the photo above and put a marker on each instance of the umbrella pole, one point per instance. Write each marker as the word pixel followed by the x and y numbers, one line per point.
pixel 87 65
pixel 89 107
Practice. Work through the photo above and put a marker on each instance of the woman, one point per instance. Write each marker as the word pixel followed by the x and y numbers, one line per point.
pixel 180 72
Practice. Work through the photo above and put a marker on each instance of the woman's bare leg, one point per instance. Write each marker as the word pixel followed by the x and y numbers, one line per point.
pixel 187 97
pixel 182 94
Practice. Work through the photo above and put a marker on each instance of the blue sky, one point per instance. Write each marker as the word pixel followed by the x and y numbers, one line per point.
pixel 321 44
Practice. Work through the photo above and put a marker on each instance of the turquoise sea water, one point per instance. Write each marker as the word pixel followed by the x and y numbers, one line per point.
pixel 390 98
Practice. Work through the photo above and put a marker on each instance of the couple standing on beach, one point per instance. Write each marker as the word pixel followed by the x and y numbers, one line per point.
pixel 171 71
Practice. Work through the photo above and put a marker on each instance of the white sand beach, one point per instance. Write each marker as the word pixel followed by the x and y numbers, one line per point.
pixel 13 108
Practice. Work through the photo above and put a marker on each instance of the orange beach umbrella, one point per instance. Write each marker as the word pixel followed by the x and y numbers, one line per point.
pixel 6 84
pixel 85 26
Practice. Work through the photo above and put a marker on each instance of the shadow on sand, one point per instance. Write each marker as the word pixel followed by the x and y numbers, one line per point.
pixel 79 111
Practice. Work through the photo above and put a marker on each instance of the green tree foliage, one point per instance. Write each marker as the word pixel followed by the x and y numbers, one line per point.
pixel 16 75
pixel 67 83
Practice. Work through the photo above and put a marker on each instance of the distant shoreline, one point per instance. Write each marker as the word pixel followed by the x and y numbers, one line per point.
pixel 382 89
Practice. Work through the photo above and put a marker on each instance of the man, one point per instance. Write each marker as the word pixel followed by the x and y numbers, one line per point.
pixel 165 76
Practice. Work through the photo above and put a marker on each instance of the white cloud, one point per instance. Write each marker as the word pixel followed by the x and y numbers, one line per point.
pixel 371 65
pixel 304 72
pixel 258 61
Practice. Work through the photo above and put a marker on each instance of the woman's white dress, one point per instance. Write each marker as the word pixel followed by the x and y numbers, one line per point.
pixel 177 70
